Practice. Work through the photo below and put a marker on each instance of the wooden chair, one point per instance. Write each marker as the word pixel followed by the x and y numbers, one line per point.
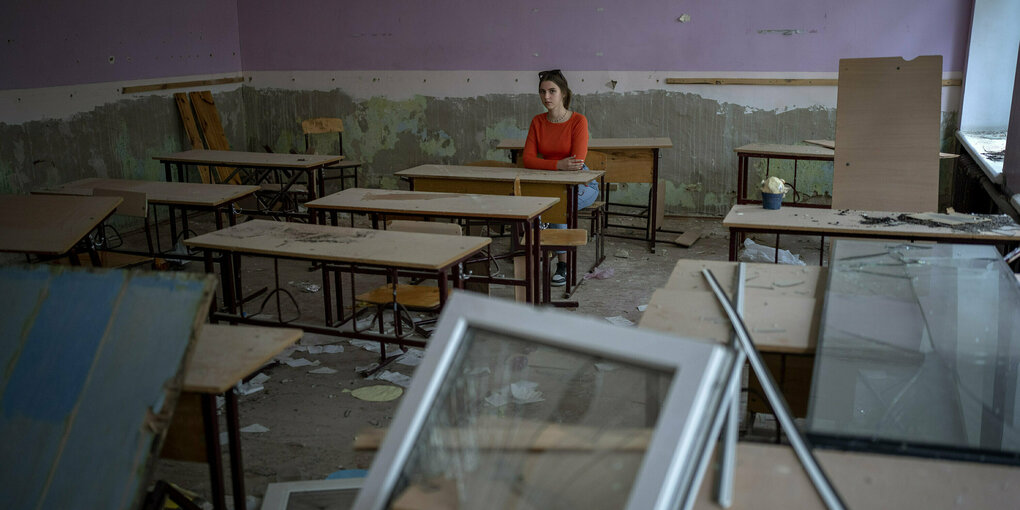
pixel 552 240
pixel 406 297
pixel 328 125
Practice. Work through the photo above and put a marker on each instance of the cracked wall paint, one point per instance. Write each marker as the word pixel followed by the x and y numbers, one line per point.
pixel 698 174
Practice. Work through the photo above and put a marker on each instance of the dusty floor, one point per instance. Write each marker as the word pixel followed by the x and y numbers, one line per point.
pixel 312 419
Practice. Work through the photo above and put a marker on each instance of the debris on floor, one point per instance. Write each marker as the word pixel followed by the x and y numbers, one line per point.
pixel 619 320
pixel 323 370
pixel 601 273
pixel 253 385
pixel 379 393
pixel 688 238
pixel 521 392
pixel 621 253
pixel 306 286
pixel 754 252
pixel 297 363
pixel 393 377
pixel 254 428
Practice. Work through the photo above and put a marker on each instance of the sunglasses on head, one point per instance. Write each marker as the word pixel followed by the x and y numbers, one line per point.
pixel 546 74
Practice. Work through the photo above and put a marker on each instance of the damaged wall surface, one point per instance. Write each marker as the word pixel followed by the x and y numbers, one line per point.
pixel 404 87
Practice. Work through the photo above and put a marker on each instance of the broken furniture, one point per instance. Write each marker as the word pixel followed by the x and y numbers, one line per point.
pixel 982 229
pixel 223 356
pixel 888 122
pixel 917 352
pixel 54 226
pixel 339 250
pixel 524 211
pixel 216 198
pixel 257 168
pixel 519 407
pixel 92 370
pixel 500 181
pixel 346 169
pixel 630 161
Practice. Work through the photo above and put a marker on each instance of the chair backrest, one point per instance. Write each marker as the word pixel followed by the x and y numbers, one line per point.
pixel 491 162
pixel 135 203
pixel 425 227
pixel 323 125
pixel 596 160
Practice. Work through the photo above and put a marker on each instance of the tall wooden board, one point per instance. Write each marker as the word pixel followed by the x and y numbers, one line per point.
pixel 212 130
pixel 90 373
pixel 191 129
pixel 887 134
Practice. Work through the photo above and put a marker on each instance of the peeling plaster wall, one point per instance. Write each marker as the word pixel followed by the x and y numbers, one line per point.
pixel 699 173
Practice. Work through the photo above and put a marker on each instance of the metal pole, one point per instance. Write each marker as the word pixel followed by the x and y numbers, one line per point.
pixel 724 489
pixel 800 445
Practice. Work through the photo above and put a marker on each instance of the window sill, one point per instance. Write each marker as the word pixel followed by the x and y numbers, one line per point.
pixel 981 145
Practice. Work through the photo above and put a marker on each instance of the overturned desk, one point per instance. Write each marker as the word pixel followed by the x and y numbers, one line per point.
pixel 628 161
pixel 340 249
pixel 753 219
pixel 522 210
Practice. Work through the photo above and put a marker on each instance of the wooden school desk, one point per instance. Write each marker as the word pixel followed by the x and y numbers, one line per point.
pixel 185 196
pixel 769 476
pixel 768 152
pixel 782 310
pixel 340 249
pixel 629 160
pixel 819 150
pixel 49 225
pixel 500 181
pixel 748 219
pixel 523 210
pixel 260 167
pixel 223 356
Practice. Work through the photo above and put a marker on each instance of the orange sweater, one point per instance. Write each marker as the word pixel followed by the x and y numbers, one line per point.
pixel 548 143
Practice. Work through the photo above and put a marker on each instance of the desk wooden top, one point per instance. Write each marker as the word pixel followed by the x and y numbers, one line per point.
pixel 769 476
pixel 831 144
pixel 773 149
pixel 50 224
pixel 434 204
pixel 500 174
pixel 342 244
pixel 159 192
pixel 602 143
pixel 782 304
pixel 250 159
pixel 836 222
pixel 224 355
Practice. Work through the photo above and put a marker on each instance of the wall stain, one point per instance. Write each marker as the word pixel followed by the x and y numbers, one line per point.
pixel 698 173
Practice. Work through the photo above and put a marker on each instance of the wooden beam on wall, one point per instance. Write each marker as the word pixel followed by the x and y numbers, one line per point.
pixel 801 82
pixel 181 85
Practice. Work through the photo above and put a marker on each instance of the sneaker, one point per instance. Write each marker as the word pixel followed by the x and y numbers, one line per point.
pixel 559 278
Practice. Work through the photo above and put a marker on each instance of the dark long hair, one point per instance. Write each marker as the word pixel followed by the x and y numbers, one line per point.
pixel 557 77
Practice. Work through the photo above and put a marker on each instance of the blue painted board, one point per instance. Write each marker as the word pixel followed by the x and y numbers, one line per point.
pixel 97 351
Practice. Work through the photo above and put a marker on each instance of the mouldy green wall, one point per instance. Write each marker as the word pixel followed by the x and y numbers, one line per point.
pixel 698 173
pixel 391 135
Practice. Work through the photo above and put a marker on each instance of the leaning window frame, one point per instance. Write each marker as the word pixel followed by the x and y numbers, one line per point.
pixel 696 390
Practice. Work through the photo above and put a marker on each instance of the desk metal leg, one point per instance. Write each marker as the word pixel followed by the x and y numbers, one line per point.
pixel 530 236
pixel 734 236
pixel 653 203
pixel 234 441
pixel 212 450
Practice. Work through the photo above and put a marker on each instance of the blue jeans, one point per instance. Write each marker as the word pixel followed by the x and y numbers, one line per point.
pixel 586 195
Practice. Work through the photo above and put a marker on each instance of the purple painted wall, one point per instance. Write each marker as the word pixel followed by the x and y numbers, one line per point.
pixel 63 42
pixel 599 35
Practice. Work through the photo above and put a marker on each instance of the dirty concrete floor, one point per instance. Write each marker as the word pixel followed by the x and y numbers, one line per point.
pixel 313 419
